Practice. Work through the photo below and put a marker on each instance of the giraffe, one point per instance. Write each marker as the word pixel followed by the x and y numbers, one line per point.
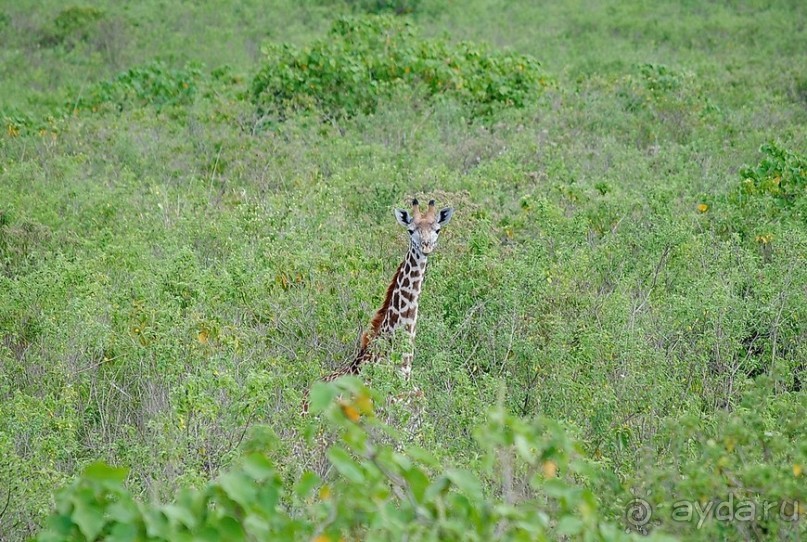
pixel 400 307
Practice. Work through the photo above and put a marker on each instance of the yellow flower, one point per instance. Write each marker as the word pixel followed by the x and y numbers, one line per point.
pixel 550 469
pixel 702 207
pixel 797 470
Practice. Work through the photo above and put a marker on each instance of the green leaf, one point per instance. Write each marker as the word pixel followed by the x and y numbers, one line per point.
pixel 180 514
pixel 306 483
pixel 101 472
pixel 231 529
pixel 466 482
pixel 258 467
pixel 438 487
pixel 267 498
pixel 156 524
pixel 321 396
pixel 124 532
pixel 123 511
pixel 257 527
pixel 238 487
pixel 58 528
pixel 342 461
pixel 417 481
pixel 422 455
pixel 89 518
pixel 569 526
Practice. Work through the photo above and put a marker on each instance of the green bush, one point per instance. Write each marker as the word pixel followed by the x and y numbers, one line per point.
pixel 399 7
pixel 376 493
pixel 769 200
pixel 671 101
pixel 748 460
pixel 72 25
pixel 154 84
pixel 780 175
pixel 16 123
pixel 169 278
pixel 363 60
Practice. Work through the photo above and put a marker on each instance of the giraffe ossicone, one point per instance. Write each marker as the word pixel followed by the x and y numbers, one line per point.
pixel 400 307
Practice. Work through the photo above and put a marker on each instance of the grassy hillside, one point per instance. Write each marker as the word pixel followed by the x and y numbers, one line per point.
pixel 183 252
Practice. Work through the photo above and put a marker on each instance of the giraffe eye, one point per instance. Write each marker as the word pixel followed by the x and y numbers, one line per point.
pixel 436 232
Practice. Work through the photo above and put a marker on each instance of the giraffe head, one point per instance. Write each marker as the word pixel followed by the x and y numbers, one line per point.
pixel 424 227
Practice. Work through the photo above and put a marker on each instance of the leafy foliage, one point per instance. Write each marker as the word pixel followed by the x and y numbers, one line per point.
pixel 173 278
pixel 153 84
pixel 73 24
pixel 376 493
pixel 363 60
pixel 781 175
pixel 672 100
pixel 399 7
pixel 768 199
pixel 742 459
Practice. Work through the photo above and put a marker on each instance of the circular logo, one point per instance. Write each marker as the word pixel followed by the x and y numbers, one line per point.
pixel 638 513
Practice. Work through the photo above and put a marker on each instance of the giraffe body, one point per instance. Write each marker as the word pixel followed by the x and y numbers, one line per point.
pixel 400 307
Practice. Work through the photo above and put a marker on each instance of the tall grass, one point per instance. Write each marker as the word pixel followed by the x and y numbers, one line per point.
pixel 174 271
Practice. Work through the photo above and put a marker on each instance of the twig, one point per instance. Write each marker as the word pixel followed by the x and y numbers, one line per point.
pixel 656 271
pixel 509 342
pixel 468 316
pixel 774 334
pixel 5 508
pixel 120 390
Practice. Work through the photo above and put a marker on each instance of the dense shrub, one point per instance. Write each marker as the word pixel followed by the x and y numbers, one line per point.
pixel 780 175
pixel 72 25
pixel 671 101
pixel 743 473
pixel 365 59
pixel 154 84
pixel 399 7
pixel 768 200
pixel 16 122
pixel 170 282
pixel 375 493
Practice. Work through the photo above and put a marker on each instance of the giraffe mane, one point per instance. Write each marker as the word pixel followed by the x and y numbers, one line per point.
pixel 375 325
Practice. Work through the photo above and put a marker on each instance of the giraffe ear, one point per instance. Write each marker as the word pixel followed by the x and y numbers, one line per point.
pixel 403 218
pixel 445 216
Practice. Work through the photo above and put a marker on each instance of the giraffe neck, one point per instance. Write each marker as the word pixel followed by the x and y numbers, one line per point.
pixel 402 308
